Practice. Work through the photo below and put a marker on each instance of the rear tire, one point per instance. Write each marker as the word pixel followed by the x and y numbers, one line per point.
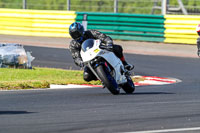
pixel 107 80
pixel 129 86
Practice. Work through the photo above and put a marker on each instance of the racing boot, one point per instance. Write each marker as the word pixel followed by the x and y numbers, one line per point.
pixel 128 66
pixel 198 52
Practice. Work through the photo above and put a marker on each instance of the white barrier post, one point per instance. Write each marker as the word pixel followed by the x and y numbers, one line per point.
pixel 24 4
pixel 115 6
pixel 68 5
pixel 84 22
pixel 164 7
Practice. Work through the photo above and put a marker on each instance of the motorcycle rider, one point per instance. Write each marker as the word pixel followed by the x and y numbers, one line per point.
pixel 79 35
pixel 198 39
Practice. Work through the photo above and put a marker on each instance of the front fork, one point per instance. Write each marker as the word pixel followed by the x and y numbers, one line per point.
pixel 92 69
pixel 96 65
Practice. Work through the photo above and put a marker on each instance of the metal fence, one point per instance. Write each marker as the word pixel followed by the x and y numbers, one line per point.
pixel 120 6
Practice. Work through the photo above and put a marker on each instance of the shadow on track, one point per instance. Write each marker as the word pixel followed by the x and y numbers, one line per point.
pixel 133 94
pixel 14 112
pixel 147 93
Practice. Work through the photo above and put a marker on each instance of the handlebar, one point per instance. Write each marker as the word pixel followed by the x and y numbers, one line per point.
pixel 109 48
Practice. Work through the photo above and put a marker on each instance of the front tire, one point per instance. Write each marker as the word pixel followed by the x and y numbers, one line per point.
pixel 129 86
pixel 107 79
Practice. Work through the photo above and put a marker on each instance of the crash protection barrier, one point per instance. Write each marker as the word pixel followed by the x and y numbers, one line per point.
pixel 36 22
pixel 140 27
pixel 181 28
pixel 123 26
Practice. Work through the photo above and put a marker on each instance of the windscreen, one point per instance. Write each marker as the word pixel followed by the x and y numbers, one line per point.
pixel 87 44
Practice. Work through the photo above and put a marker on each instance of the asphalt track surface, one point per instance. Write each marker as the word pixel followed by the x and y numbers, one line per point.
pixel 167 108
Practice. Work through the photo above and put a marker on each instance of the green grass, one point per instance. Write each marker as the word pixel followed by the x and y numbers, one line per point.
pixel 39 78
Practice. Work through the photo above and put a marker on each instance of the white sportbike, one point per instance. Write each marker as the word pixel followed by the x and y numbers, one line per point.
pixel 106 66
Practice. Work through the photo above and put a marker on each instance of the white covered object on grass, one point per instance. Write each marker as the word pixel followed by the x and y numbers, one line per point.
pixel 14 55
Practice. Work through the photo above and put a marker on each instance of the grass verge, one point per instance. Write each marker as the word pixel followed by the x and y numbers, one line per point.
pixel 12 79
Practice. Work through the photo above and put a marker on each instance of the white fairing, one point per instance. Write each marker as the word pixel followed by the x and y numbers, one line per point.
pixel 92 52
pixel 110 57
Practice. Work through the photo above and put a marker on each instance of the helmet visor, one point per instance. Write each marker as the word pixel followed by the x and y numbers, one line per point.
pixel 75 35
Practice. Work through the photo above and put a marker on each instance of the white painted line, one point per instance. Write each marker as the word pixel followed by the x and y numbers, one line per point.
pixel 168 130
pixel 58 87
pixel 52 86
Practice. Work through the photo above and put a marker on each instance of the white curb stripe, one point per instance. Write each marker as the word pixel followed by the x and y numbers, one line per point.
pixel 153 80
pixel 52 86
pixel 168 130
pixel 149 80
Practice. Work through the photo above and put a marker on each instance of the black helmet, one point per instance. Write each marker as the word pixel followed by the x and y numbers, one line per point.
pixel 76 30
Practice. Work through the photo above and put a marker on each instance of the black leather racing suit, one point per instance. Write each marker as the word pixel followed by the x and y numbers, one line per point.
pixel 75 48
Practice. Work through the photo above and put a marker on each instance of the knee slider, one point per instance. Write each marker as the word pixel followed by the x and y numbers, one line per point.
pixel 86 76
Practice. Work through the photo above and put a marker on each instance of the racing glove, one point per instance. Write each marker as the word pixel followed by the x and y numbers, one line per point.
pixel 81 64
pixel 109 46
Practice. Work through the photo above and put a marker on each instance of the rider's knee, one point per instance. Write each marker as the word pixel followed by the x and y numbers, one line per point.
pixel 86 76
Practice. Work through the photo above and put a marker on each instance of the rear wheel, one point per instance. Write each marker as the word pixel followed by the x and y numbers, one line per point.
pixel 107 79
pixel 129 86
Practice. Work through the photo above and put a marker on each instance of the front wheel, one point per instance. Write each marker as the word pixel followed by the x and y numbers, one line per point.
pixel 129 86
pixel 107 79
